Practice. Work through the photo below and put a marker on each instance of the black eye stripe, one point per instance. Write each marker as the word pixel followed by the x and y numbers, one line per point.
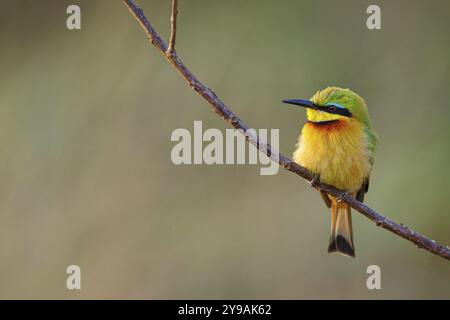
pixel 336 110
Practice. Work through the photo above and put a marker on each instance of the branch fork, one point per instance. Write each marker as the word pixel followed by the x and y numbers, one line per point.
pixel 173 28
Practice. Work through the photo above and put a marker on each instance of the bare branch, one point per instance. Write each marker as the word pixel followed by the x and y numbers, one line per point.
pixel 173 27
pixel 220 108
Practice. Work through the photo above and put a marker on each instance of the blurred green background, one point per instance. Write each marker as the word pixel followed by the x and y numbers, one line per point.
pixel 85 170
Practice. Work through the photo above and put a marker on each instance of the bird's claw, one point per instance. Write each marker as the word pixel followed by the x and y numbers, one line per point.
pixel 315 181
pixel 342 196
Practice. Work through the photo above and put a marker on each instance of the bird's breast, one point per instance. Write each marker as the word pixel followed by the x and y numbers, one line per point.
pixel 337 151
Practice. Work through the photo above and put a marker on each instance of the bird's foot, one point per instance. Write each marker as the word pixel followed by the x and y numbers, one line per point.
pixel 315 181
pixel 342 196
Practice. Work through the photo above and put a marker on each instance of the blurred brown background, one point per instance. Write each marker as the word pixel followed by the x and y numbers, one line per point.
pixel 85 171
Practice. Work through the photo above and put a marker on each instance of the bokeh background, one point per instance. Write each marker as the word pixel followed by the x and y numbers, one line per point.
pixel 85 170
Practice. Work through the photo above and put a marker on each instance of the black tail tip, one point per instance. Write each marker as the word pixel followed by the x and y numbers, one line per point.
pixel 341 245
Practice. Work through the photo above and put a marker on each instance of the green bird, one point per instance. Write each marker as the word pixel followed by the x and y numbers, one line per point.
pixel 337 144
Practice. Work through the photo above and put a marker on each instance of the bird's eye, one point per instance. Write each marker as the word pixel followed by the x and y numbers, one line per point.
pixel 332 108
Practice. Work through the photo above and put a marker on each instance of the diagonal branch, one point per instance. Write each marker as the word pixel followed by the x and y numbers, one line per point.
pixel 220 108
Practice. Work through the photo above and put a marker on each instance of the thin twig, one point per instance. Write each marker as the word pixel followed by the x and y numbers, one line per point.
pixel 173 27
pixel 220 108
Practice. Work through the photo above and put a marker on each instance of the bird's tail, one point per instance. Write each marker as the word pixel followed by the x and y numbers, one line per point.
pixel 341 237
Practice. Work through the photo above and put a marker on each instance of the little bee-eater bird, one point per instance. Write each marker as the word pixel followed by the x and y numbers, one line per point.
pixel 337 144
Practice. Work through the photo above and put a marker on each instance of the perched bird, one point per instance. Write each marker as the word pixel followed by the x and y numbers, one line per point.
pixel 337 144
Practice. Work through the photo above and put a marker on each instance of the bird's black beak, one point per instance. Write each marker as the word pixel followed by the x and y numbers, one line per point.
pixel 329 108
pixel 302 103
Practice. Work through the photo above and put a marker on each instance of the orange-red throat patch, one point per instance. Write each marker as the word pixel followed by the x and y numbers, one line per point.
pixel 328 126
